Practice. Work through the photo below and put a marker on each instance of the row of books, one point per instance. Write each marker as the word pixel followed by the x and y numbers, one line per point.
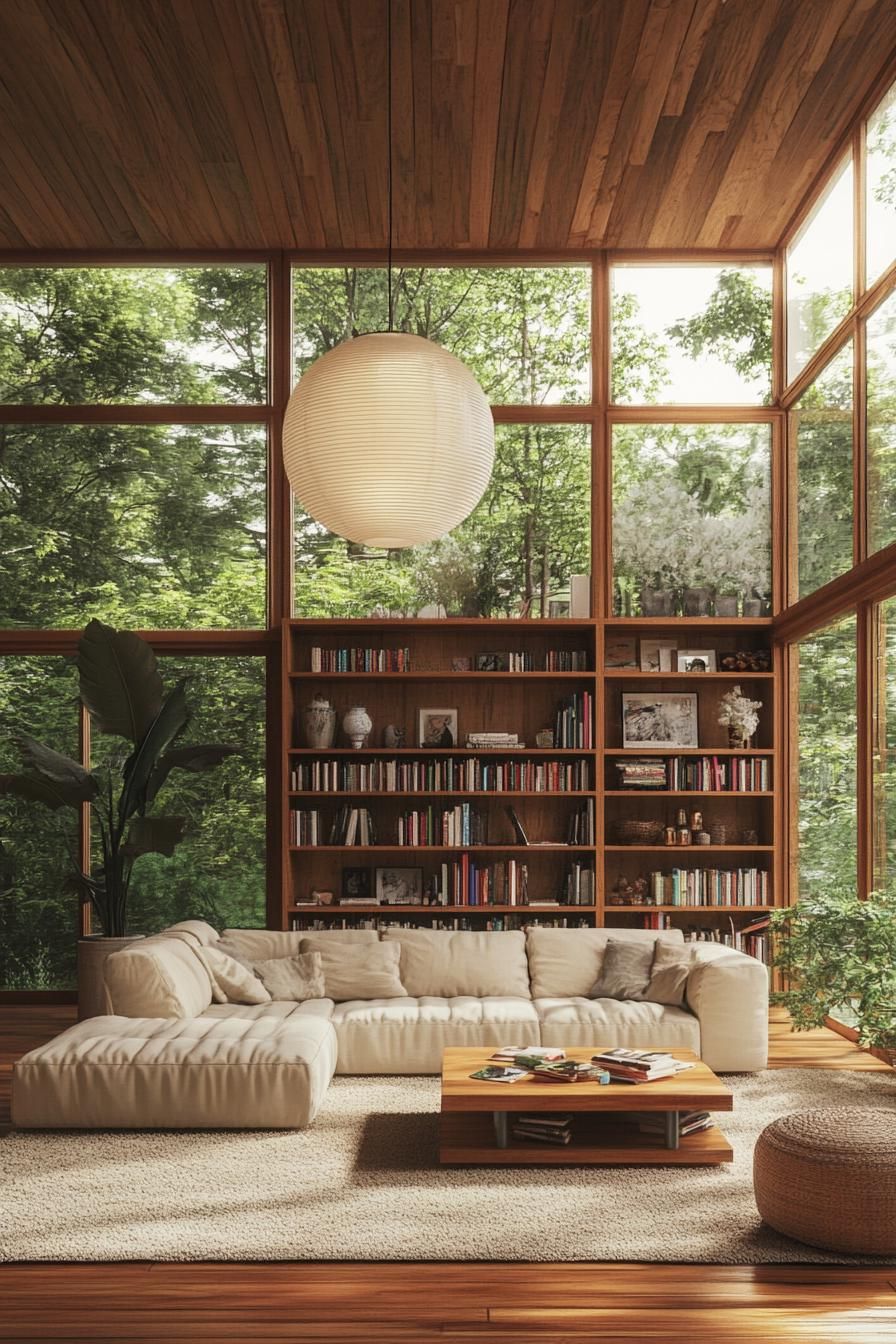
pixel 752 939
pixel 574 722
pixel 350 826
pixel 441 775
pixel 579 884
pixel 458 825
pixel 582 827
pixel 460 923
pixel 360 660
pixel 495 741
pixel 705 774
pixel 710 886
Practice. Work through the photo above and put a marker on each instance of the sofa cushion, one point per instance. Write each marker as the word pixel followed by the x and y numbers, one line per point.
pixel 566 962
pixel 409 1035
pixel 446 964
pixel 359 970
pixel 157 977
pixel 204 1073
pixel 196 929
pixel 231 981
pixel 669 973
pixel 281 1008
pixel 296 978
pixel 249 945
pixel 624 970
pixel 605 1023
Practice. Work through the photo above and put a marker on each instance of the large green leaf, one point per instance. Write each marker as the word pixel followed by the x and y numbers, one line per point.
pixel 54 766
pixel 51 793
pixel 120 681
pixel 195 758
pixel 168 723
pixel 153 835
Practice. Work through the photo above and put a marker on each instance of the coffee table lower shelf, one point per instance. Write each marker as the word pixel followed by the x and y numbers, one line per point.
pixel 469 1138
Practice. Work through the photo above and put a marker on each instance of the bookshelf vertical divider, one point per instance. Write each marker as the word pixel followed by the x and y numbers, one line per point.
pixel 440 846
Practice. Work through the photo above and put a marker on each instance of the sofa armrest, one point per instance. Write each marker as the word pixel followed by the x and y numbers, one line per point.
pixel 727 992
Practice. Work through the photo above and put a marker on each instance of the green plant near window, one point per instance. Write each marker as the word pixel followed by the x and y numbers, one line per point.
pixel 121 687
pixel 838 954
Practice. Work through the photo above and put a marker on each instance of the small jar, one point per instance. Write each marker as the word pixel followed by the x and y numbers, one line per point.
pixel 670 836
pixel 684 835
pixel 702 838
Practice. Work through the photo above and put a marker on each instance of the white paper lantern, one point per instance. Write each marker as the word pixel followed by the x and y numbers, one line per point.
pixel 388 440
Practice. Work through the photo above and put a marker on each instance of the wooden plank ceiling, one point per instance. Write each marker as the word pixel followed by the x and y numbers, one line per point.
pixel 549 124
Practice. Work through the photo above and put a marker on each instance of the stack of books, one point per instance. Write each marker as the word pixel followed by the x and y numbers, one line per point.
pixel 638 1066
pixel 644 772
pixel 570 1071
pixel 494 741
pixel 546 1128
pixel 511 1054
pixel 689 1122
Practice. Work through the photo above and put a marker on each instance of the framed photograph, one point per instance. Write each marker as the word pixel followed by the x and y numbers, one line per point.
pixel 492 662
pixel 437 727
pixel 461 665
pixel 657 655
pixel 356 885
pixel 558 609
pixel 399 886
pixel 696 660
pixel 653 720
pixel 621 652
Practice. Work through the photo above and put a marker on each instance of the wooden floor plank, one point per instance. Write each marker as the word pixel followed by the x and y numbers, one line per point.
pixel 371 1303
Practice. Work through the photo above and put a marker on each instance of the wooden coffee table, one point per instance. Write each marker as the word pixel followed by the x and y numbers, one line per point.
pixel 475 1126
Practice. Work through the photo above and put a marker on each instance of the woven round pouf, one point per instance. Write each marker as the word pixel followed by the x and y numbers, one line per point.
pixel 828 1178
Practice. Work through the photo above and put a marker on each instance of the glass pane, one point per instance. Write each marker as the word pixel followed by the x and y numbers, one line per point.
pixel 692 334
pixel 880 188
pixel 884 744
pixel 534 518
pixel 147 526
pixel 691 520
pixel 827 759
pixel 217 872
pixel 523 331
pixel 38 913
pixel 821 426
pixel 77 335
pixel 881 386
pixel 820 272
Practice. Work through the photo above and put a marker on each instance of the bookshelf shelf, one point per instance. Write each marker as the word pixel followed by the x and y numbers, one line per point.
pixel 512 753
pixel 688 793
pixel 560 795
pixel 696 850
pixel 671 750
pixel 414 850
pixel 693 678
pixel 442 676
pixel 340 911
pixel 688 909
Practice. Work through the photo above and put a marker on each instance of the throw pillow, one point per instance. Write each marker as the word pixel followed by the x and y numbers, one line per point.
pixel 292 978
pixel 625 970
pixel 231 981
pixel 672 964
pixel 359 970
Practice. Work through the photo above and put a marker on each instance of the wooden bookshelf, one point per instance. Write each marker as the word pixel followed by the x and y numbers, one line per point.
pixel 524 702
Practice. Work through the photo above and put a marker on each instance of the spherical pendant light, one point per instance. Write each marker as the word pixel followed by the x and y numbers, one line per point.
pixel 388 440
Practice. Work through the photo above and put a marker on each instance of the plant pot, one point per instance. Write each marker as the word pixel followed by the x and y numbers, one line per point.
pixel 737 740
pixel 92 954
pixel 726 604
pixel 697 601
pixel 657 601
pixel 753 606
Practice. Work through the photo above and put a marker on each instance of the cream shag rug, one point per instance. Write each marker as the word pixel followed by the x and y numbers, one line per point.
pixel 364 1184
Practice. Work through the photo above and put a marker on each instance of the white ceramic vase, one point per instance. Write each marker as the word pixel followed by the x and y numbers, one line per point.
pixel 357 725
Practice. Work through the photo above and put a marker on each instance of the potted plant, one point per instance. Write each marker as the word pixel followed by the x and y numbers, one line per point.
pixel 738 713
pixel 653 530
pixel 838 954
pixel 121 688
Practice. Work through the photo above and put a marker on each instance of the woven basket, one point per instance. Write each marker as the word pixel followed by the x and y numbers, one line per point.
pixel 639 832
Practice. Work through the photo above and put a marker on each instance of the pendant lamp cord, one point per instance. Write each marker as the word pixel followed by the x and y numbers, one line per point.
pixel 389 134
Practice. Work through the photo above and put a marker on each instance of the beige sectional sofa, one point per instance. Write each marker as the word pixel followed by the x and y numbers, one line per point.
pixel 167 1055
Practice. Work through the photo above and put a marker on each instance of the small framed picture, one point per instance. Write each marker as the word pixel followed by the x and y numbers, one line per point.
pixel 461 665
pixel 399 886
pixel 356 885
pixel 696 660
pixel 621 652
pixel 558 609
pixel 437 727
pixel 492 662
pixel 652 720
pixel 657 655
